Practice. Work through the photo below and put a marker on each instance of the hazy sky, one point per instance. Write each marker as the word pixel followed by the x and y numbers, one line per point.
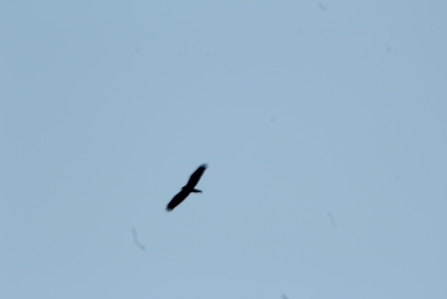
pixel 324 125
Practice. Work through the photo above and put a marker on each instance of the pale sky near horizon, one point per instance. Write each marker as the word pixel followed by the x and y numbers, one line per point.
pixel 323 123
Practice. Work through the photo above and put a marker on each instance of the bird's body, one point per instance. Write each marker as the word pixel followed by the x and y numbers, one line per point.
pixel 188 188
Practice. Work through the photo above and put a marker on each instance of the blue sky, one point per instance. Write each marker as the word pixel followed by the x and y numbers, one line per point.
pixel 323 124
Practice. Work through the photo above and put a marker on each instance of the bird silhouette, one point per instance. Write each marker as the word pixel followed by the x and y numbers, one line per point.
pixel 188 188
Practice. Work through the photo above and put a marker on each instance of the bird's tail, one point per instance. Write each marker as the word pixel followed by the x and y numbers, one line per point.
pixel 196 191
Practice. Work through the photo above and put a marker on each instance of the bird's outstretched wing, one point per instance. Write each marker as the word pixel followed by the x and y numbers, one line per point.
pixel 195 177
pixel 177 199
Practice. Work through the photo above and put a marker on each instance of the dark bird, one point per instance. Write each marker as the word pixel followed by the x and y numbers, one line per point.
pixel 188 188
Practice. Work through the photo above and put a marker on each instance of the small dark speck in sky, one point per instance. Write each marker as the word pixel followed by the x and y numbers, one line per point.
pixel 135 239
pixel 388 49
pixel 332 218
pixel 321 6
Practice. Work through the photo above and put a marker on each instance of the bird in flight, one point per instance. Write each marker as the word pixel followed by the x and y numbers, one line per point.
pixel 188 188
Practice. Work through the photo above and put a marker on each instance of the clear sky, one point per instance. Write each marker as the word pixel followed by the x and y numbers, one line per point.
pixel 324 125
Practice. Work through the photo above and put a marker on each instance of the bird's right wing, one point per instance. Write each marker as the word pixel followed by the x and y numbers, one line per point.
pixel 195 177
